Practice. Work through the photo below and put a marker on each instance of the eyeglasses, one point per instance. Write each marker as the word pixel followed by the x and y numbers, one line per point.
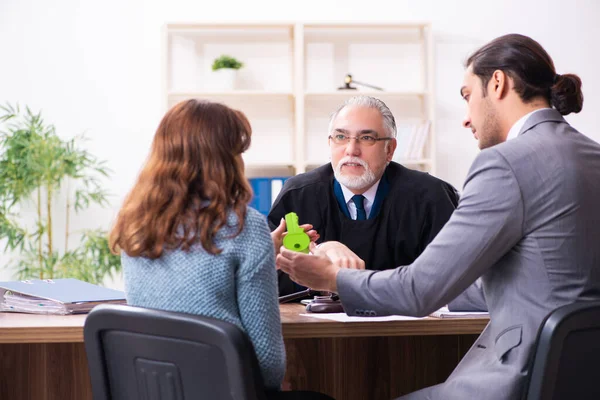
pixel 367 140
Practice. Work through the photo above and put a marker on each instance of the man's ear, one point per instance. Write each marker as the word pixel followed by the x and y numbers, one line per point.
pixel 390 149
pixel 498 85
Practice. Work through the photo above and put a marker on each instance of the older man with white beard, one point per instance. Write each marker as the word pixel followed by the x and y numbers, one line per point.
pixel 385 213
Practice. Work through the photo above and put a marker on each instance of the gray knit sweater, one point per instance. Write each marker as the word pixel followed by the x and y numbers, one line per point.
pixel 238 286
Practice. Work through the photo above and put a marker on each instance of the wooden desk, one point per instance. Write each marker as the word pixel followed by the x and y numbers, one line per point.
pixel 43 358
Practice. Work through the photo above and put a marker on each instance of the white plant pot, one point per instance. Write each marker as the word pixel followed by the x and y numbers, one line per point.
pixel 224 79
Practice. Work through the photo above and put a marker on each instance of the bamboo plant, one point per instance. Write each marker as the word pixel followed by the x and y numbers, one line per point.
pixel 35 166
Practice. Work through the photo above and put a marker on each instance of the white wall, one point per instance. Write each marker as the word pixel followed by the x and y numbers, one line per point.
pixel 95 67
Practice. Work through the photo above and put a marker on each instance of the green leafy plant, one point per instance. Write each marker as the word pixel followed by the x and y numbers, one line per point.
pixel 226 61
pixel 36 165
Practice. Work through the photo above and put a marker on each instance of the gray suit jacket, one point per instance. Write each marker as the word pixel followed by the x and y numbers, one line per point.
pixel 528 224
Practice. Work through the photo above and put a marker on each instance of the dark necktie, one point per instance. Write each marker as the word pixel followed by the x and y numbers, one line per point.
pixel 358 200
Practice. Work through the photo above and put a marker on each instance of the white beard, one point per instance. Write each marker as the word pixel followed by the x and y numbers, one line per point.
pixel 367 179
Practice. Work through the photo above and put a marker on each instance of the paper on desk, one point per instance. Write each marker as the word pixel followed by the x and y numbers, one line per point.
pixel 343 317
pixel 445 313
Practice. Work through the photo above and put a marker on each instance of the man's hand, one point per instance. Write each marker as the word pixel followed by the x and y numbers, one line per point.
pixel 340 255
pixel 315 271
pixel 278 234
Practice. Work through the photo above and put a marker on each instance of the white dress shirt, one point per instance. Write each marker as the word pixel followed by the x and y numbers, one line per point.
pixel 368 202
pixel 516 128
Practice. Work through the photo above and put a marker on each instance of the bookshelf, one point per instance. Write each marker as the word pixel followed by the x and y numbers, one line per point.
pixel 288 85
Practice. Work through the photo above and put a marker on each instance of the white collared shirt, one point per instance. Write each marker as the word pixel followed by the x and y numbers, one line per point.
pixel 516 128
pixel 368 203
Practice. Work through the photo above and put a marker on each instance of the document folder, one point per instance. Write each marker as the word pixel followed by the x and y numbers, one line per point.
pixel 55 296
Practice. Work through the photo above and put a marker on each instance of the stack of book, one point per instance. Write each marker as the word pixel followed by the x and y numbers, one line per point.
pixel 411 141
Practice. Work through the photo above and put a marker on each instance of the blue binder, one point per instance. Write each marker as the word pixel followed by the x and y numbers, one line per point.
pixel 265 192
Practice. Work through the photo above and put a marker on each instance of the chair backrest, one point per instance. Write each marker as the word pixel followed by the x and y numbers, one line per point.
pixel 566 362
pixel 142 354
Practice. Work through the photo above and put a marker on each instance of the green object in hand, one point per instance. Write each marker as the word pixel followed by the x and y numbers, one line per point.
pixel 296 239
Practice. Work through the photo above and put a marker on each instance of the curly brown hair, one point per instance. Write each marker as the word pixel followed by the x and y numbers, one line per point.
pixel 193 177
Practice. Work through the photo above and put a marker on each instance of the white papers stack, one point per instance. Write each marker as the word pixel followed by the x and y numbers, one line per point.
pixel 445 313
pixel 343 317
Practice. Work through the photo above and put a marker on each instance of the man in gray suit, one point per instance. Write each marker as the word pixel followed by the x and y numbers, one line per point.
pixel 527 224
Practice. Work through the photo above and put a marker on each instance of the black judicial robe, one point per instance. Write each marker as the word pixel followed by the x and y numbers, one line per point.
pixel 415 208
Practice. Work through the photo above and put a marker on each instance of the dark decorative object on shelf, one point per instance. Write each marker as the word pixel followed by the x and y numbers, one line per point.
pixel 348 84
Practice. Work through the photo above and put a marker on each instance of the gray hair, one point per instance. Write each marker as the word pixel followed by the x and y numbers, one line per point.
pixel 389 122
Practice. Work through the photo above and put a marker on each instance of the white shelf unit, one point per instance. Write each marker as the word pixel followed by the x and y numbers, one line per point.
pixel 288 85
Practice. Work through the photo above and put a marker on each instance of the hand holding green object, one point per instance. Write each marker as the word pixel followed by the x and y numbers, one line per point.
pixel 296 239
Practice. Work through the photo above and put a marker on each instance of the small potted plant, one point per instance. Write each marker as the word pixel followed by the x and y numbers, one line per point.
pixel 224 72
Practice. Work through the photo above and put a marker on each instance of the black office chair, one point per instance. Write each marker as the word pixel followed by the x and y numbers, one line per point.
pixel 566 362
pixel 136 353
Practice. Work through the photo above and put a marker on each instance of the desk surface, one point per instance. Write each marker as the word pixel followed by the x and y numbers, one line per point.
pixel 30 328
